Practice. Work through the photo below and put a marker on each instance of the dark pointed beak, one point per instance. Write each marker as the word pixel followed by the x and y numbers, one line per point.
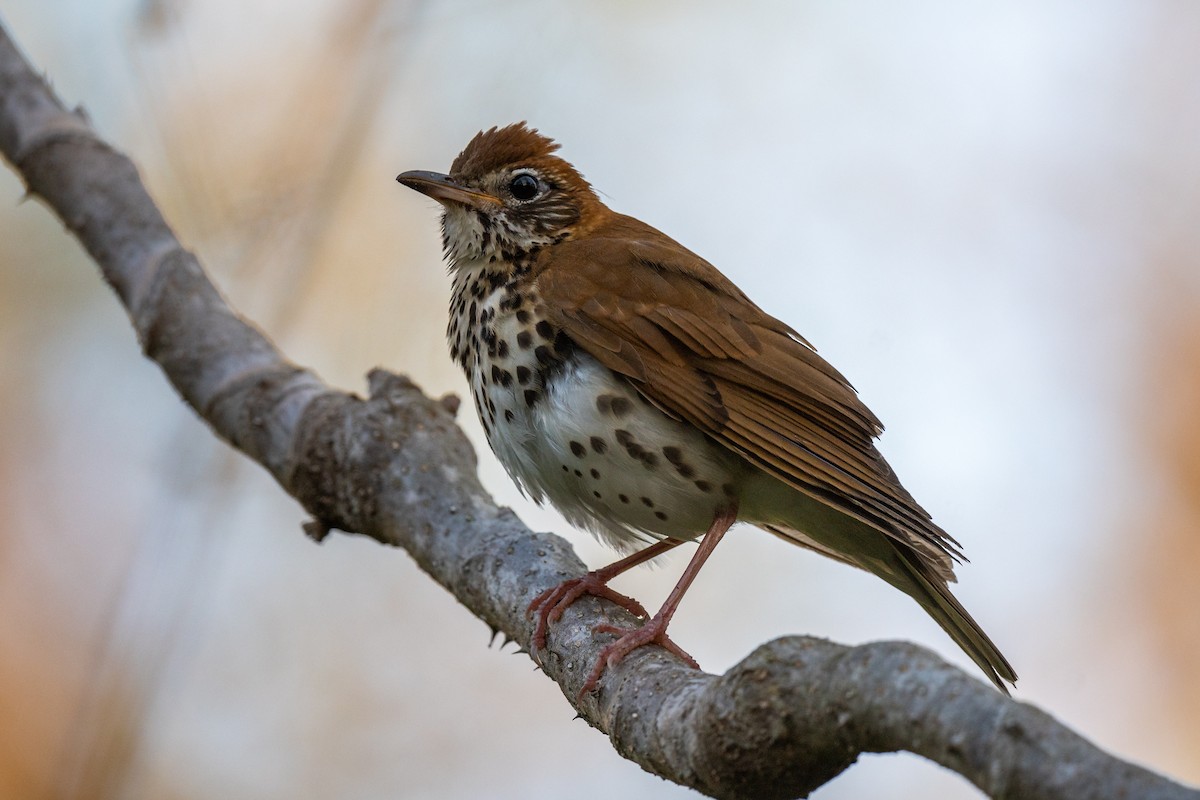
pixel 445 189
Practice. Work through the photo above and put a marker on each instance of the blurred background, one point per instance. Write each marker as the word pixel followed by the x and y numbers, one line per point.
pixel 985 216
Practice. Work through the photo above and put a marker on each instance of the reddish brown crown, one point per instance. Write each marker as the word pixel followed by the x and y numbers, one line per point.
pixel 499 147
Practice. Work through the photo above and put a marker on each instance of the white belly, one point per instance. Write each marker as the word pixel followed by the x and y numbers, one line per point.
pixel 611 462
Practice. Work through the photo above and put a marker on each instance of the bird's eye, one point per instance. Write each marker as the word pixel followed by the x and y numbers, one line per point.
pixel 524 186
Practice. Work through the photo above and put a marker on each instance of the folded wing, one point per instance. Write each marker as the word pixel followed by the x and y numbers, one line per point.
pixel 694 345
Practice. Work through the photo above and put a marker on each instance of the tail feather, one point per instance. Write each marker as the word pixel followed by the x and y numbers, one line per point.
pixel 923 584
pixel 916 576
pixel 804 540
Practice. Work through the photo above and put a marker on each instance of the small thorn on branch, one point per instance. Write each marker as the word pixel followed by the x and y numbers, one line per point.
pixel 317 530
pixel 505 639
pixel 451 402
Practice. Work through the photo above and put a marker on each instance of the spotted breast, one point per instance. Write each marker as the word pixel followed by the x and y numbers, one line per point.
pixel 569 430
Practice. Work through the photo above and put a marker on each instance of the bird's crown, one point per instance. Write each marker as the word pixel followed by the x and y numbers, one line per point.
pixel 496 148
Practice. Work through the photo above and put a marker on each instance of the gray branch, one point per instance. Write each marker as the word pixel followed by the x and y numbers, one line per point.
pixel 395 467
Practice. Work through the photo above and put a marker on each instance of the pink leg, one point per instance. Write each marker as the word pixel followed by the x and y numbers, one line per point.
pixel 551 603
pixel 655 630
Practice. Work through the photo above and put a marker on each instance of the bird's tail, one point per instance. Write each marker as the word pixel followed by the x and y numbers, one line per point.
pixel 919 581
pixel 914 575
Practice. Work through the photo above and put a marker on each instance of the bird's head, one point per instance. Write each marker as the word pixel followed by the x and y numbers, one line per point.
pixel 507 195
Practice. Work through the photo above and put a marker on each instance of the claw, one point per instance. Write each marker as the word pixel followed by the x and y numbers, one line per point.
pixel 628 640
pixel 552 603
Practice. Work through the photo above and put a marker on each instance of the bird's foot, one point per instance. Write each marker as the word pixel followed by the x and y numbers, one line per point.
pixel 653 632
pixel 551 603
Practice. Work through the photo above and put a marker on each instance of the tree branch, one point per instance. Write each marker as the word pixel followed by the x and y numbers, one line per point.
pixel 395 467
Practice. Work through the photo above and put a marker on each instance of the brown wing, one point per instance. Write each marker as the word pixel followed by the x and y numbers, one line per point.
pixel 693 344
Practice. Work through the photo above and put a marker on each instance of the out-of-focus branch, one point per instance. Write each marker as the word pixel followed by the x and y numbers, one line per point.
pixel 395 467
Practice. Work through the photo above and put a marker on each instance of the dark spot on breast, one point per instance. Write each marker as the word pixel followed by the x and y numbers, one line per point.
pixel 563 344
pixel 544 329
pixel 636 451
pixel 542 354
pixel 531 396
pixel 524 339
pixel 578 474
pixel 502 348
pixel 647 502
pixel 596 474
pixel 523 317
pixel 523 375
pixel 578 450
pixel 639 453
pixel 703 486
pixel 685 471
pixel 508 415
pixel 623 498
pixel 598 444
pixel 597 495
pixel 673 454
pixel 613 405
pixel 661 515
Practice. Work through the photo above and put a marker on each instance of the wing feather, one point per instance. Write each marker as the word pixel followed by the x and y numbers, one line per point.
pixel 696 347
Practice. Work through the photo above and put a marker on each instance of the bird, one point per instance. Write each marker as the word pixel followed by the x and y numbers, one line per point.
pixel 635 387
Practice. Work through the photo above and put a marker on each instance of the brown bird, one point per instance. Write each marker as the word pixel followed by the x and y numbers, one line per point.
pixel 626 380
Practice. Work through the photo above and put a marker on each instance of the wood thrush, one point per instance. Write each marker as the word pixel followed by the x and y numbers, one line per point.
pixel 627 381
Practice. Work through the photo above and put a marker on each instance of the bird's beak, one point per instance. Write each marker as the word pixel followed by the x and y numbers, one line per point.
pixel 445 189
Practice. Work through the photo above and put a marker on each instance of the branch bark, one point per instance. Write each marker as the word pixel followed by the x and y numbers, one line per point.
pixel 395 467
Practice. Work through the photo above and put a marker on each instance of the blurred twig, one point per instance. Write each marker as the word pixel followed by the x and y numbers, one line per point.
pixel 395 467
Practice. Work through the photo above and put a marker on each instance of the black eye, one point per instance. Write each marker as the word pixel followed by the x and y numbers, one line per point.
pixel 524 187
